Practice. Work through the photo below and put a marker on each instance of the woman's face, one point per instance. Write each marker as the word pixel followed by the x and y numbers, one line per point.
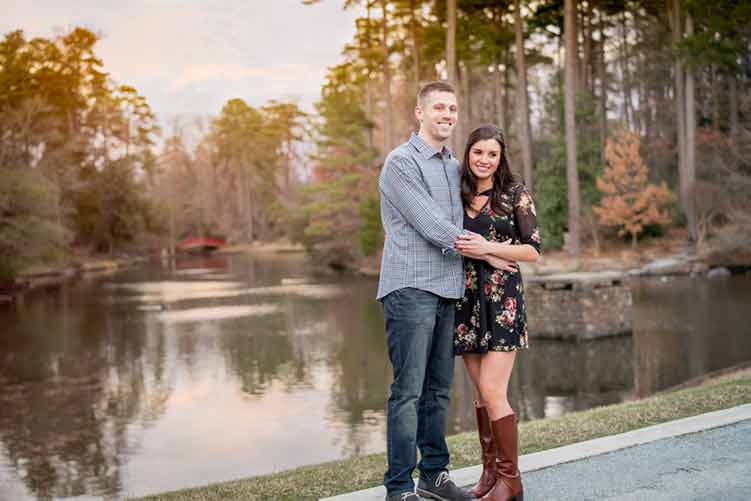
pixel 484 158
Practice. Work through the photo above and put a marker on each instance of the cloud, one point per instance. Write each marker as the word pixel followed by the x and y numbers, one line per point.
pixel 235 72
pixel 191 56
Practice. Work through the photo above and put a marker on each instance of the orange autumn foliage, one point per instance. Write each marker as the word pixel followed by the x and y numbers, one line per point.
pixel 629 201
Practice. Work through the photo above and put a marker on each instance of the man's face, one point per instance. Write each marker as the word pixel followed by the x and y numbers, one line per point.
pixel 437 115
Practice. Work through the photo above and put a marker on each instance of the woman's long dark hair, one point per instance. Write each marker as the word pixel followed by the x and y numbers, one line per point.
pixel 503 178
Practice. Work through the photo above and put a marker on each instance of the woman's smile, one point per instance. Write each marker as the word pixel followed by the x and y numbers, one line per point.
pixel 484 158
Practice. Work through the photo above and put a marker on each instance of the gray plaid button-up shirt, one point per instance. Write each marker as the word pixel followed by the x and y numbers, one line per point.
pixel 421 212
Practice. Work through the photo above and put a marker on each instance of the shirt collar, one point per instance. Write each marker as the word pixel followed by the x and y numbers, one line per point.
pixel 426 150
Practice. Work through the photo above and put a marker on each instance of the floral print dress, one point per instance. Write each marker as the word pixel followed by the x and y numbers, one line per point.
pixel 491 315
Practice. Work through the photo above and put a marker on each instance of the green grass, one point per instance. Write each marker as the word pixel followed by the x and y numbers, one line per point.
pixel 336 477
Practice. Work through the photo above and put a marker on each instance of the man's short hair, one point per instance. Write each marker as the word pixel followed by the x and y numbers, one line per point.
pixel 436 86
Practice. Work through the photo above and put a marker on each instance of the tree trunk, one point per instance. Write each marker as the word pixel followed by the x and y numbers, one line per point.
pixel 572 175
pixel 388 119
pixel 451 41
pixel 733 97
pixel 369 111
pixel 602 101
pixel 680 102
pixel 241 203
pixel 628 108
pixel 368 89
pixel 640 111
pixel 465 73
pixel 171 243
pixel 586 73
pixel 525 133
pixel 690 140
pixel 716 91
pixel 415 42
pixel 499 110
pixel 247 199
pixel 451 57
pixel 506 93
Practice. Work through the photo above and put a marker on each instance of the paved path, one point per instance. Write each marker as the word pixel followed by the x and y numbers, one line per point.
pixel 706 456
pixel 711 464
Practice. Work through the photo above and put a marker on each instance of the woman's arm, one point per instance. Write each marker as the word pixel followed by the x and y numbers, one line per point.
pixel 501 264
pixel 494 261
pixel 477 245
pixel 526 220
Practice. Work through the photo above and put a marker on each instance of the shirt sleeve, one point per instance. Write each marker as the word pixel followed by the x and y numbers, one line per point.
pixel 526 218
pixel 401 185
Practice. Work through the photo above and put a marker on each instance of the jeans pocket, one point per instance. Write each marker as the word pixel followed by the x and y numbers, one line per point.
pixel 393 301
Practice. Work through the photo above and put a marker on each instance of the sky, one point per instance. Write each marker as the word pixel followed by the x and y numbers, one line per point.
pixel 188 57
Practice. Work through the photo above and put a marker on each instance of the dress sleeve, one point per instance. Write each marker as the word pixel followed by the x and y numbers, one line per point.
pixel 526 218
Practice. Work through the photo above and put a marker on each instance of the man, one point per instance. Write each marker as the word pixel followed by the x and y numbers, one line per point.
pixel 421 278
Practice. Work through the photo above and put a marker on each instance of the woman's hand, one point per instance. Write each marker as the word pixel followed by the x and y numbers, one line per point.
pixel 471 255
pixel 501 264
pixel 494 261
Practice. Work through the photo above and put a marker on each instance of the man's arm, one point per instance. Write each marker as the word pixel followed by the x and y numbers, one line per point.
pixel 401 184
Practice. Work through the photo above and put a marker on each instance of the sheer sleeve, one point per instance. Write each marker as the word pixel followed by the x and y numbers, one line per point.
pixel 526 218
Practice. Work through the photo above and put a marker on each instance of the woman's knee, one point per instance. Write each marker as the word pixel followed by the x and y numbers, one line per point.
pixel 489 390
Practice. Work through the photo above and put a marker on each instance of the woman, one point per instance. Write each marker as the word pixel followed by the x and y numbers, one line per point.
pixel 490 323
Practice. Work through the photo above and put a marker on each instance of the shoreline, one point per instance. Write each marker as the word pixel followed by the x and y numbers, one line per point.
pixel 678 264
pixel 43 277
pixel 650 261
pixel 347 475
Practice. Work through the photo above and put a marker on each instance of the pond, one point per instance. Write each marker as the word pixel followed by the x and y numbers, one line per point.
pixel 183 373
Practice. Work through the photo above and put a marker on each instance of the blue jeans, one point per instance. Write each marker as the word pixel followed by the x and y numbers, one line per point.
pixel 420 334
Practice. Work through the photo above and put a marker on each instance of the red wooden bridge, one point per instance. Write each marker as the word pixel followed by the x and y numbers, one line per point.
pixel 200 245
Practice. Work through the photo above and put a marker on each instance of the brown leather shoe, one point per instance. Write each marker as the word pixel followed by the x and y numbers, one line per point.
pixel 508 485
pixel 489 454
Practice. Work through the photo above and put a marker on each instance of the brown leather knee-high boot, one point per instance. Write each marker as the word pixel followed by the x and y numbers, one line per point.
pixel 508 485
pixel 489 454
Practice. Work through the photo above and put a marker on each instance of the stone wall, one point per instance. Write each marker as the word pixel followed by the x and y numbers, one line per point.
pixel 578 305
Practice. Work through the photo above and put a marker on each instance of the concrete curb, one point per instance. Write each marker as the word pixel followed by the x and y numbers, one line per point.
pixel 589 448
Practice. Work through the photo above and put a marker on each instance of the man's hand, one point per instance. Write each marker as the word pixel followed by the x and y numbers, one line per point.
pixel 472 243
pixel 476 244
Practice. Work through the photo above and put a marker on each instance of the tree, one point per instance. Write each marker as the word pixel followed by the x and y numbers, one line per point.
pixel 339 209
pixel 285 124
pixel 29 233
pixel 451 67
pixel 388 117
pixel 572 175
pixel 620 67
pixel 451 42
pixel 689 172
pixel 64 118
pixel 409 10
pixel 629 201
pixel 525 134
pixel 255 148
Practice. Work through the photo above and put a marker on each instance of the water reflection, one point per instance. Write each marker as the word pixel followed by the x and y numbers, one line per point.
pixel 66 401
pixel 554 377
pixel 224 369
pixel 686 327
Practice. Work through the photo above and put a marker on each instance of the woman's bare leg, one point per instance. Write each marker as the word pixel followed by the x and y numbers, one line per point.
pixel 473 361
pixel 495 372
